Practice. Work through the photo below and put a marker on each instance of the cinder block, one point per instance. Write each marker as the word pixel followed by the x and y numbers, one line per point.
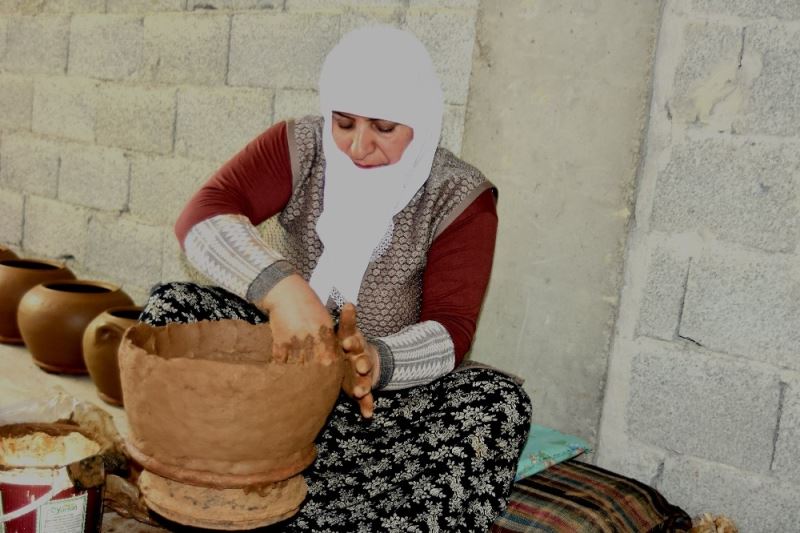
pixel 196 5
pixel 65 107
pixel 144 6
pixel 453 127
pixel 749 8
pixel 106 46
pixel 127 252
pixel 74 6
pixel 136 118
pixel 280 50
pixel 439 4
pixel 449 37
pixel 182 48
pixel 3 37
pixel 160 187
pixel 742 192
pixel 774 103
pixel 692 403
pixel 28 164
pixel 706 72
pixel 755 503
pixel 329 5
pixel 11 209
pixel 745 306
pixel 55 229
pixel 785 464
pixel 16 101
pixel 633 459
pixel 352 19
pixel 94 177
pixel 663 295
pixel 214 124
pixel 37 44
pixel 295 103
pixel 173 261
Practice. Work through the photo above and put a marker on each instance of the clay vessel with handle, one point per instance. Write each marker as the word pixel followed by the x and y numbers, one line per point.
pixel 100 343
pixel 53 316
pixel 18 276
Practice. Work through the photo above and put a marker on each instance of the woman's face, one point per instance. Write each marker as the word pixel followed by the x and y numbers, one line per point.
pixel 370 142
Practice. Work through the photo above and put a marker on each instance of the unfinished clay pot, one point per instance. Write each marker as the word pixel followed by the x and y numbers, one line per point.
pixel 18 276
pixel 6 253
pixel 209 407
pixel 100 343
pixel 53 316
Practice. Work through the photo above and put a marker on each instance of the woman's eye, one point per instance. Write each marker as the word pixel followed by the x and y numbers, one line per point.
pixel 385 128
pixel 344 124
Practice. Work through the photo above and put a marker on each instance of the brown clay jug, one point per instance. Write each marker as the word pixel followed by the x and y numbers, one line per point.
pixel 18 276
pixel 6 253
pixel 53 316
pixel 100 343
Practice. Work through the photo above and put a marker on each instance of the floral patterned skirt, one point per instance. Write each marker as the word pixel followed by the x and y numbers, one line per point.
pixel 438 457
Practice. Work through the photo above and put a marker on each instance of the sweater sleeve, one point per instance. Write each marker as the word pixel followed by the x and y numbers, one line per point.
pixel 454 283
pixel 256 183
pixel 217 227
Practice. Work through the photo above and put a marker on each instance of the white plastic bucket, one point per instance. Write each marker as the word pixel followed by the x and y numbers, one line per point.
pixel 48 498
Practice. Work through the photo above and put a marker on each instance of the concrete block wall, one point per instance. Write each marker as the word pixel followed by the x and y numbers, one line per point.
pixel 115 111
pixel 703 391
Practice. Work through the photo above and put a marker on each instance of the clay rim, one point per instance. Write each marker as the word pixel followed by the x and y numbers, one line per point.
pixel 91 286
pixel 33 264
pixel 181 474
pixel 125 311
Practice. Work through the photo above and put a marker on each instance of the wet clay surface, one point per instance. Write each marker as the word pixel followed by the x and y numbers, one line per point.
pixel 43 445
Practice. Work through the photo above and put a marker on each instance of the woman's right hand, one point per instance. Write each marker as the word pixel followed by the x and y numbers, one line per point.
pixel 299 321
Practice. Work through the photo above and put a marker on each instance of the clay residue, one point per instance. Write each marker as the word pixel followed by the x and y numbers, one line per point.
pixel 322 349
pixel 38 449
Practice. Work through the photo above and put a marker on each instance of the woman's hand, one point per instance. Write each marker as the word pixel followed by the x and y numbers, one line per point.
pixel 299 321
pixel 363 368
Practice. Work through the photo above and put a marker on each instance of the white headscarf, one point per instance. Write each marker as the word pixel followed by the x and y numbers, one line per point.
pixel 376 72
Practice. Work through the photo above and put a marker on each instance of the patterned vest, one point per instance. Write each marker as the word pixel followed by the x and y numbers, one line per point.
pixel 390 296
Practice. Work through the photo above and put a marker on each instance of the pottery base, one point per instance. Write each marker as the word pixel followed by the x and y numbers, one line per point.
pixel 227 509
pixel 56 369
pixel 109 399
pixel 11 340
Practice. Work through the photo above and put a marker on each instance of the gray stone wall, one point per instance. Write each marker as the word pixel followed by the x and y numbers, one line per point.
pixel 703 392
pixel 115 111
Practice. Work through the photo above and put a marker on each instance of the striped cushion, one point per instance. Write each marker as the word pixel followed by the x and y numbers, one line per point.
pixel 575 497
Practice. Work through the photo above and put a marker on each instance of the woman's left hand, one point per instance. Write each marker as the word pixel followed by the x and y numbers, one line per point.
pixel 363 365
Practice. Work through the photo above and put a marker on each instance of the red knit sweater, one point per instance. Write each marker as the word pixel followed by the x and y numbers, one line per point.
pixel 257 183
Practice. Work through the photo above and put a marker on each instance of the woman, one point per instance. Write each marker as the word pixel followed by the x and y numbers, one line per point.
pixel 374 213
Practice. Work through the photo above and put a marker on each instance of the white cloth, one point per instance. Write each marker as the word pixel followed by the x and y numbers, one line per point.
pixel 376 72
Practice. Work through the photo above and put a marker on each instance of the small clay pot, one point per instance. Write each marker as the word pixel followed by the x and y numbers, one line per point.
pixel 6 253
pixel 100 343
pixel 18 276
pixel 53 316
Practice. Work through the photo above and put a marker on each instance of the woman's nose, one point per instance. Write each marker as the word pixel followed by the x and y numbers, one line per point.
pixel 360 145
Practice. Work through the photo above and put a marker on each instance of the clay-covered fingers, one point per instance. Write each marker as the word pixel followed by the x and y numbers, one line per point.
pixel 302 329
pixel 347 322
pixel 358 382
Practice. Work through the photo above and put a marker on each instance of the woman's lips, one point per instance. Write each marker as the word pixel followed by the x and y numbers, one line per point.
pixel 361 165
